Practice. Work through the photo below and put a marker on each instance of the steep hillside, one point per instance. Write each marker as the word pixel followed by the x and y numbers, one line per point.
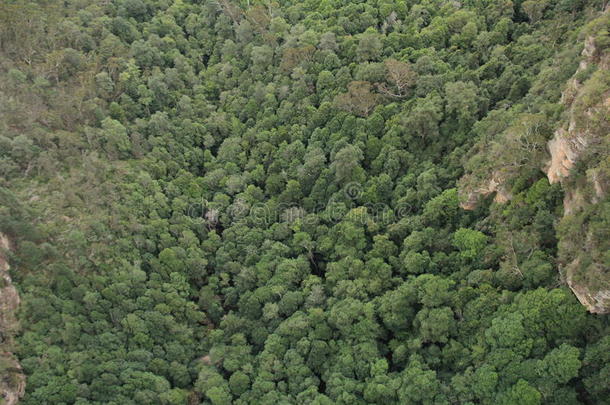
pixel 580 161
pixel 576 157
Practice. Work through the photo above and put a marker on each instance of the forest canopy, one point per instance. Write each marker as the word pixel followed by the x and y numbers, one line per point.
pixel 263 202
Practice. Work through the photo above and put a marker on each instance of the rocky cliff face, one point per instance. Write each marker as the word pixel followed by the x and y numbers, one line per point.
pixel 494 185
pixel 564 150
pixel 597 302
pixel 12 380
pixel 578 158
pixel 588 107
pixel 570 142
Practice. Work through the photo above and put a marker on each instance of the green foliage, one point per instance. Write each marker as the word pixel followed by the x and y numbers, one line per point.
pixel 247 202
pixel 470 243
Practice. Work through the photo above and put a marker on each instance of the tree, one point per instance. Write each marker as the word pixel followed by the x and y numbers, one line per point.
pixel 560 365
pixel 423 119
pixel 463 101
pixel 521 393
pixel 534 9
pixel 359 98
pixel 419 385
pixel 470 243
pixel 346 167
pixel 508 332
pixel 401 77
pixel 262 57
pixel 369 46
pixel 328 41
pixel 239 383
pixel 116 140
pixel 435 324
pixel 293 57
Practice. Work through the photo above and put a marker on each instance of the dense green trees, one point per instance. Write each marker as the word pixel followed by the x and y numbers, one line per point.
pixel 242 202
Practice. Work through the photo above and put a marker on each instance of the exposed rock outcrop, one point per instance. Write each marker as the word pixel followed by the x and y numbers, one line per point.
pixel 494 185
pixel 569 143
pixel 564 154
pixel 597 302
pixel 577 157
pixel 12 379
pixel 588 108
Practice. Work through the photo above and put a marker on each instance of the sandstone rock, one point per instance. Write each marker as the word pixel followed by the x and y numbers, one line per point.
pixel 494 185
pixel 567 146
pixel 597 302
pixel 563 156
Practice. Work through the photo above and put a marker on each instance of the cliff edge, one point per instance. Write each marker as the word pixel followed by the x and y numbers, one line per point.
pixel 577 156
